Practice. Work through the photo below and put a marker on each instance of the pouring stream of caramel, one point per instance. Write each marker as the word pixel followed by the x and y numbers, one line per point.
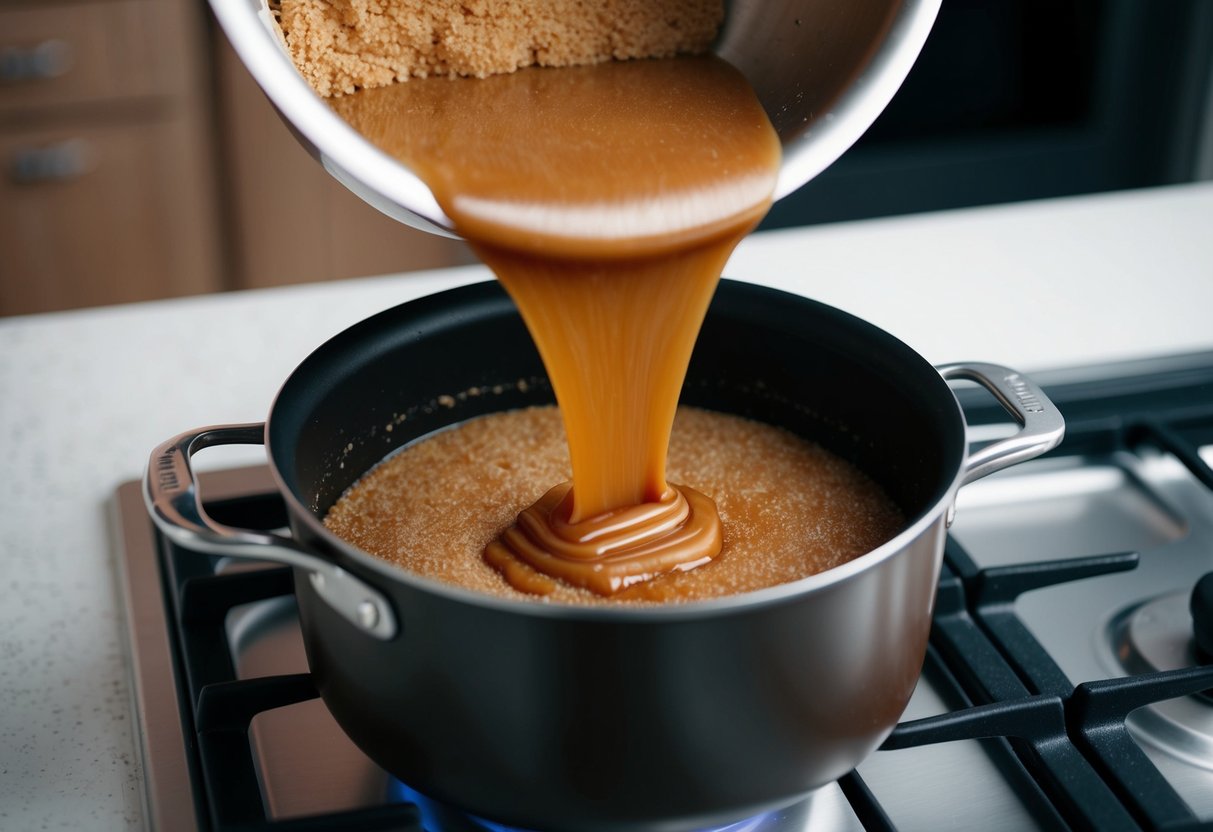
pixel 607 200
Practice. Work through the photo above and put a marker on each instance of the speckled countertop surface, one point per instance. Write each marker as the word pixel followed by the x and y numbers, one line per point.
pixel 84 396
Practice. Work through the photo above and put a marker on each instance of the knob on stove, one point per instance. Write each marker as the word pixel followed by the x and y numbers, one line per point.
pixel 1202 617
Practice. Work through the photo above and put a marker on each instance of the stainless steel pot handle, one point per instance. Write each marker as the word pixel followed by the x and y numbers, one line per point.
pixel 1041 424
pixel 171 493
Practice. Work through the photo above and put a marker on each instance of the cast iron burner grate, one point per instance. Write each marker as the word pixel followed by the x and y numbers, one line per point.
pixel 1063 747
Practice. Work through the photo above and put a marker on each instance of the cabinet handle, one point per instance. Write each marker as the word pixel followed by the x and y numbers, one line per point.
pixel 60 162
pixel 48 59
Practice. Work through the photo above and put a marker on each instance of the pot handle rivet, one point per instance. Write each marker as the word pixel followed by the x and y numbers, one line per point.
pixel 368 615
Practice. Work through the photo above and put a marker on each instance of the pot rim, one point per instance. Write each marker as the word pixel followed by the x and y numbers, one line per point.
pixel 631 611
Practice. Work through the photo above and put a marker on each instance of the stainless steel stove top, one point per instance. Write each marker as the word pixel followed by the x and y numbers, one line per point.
pixel 1124 623
pixel 1124 514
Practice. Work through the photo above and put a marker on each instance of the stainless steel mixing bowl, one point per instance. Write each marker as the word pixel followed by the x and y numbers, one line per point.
pixel 823 69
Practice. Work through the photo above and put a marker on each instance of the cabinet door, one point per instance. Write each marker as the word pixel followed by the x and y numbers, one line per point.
pixel 104 213
pixel 89 54
pixel 289 221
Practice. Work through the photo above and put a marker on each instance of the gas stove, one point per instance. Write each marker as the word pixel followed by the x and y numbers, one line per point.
pixel 1063 687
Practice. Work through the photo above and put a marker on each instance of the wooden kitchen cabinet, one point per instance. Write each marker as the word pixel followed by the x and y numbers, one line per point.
pixel 139 160
pixel 104 213
pixel 107 187
pixel 91 52
pixel 290 221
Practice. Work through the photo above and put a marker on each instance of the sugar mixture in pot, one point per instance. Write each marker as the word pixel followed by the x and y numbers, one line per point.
pixel 788 507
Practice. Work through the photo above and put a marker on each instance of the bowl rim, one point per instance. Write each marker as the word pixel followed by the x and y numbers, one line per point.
pixel 391 187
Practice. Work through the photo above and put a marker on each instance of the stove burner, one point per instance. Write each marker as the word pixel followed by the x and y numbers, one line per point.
pixel 438 817
pixel 1157 636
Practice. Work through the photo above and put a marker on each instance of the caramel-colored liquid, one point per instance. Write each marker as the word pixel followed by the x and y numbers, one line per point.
pixel 606 199
pixel 789 508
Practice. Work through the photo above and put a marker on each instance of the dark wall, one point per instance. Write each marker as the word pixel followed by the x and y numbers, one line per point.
pixel 1015 99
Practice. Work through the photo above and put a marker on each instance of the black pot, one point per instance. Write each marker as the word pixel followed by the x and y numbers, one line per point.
pixel 582 719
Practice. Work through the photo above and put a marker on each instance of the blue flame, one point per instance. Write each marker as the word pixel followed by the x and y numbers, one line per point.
pixel 436 817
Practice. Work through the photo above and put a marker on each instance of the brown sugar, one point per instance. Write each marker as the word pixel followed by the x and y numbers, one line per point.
pixel 788 507
pixel 343 45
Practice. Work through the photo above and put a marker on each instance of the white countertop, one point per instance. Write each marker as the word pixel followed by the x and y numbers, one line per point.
pixel 84 396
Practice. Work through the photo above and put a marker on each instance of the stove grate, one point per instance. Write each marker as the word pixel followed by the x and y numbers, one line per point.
pixel 867 808
pixel 1064 749
pixel 220 707
pixel 1074 739
pixel 1040 707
